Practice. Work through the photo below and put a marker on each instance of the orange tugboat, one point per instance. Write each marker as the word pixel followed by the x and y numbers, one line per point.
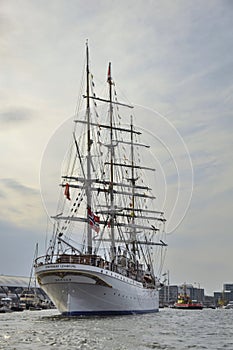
pixel 185 302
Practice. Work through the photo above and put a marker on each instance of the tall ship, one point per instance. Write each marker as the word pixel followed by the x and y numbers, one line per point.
pixel 107 245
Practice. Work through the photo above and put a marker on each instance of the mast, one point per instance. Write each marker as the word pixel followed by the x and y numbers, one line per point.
pixel 114 185
pixel 32 268
pixel 111 164
pixel 133 191
pixel 89 142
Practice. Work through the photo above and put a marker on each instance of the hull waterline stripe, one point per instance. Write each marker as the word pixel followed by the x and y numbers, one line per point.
pixel 108 313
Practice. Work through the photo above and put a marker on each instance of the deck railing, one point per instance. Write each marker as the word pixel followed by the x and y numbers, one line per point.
pixel 94 260
pixel 72 259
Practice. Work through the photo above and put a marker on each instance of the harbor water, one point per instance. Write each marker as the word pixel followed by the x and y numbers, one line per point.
pixel 168 329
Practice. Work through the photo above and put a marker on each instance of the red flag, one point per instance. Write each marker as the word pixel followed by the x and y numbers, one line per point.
pixel 109 223
pixel 94 220
pixel 67 191
pixel 109 80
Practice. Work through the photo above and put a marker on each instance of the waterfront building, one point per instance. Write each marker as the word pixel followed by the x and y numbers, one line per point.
pixel 225 296
pixel 13 286
pixel 228 292
pixel 168 295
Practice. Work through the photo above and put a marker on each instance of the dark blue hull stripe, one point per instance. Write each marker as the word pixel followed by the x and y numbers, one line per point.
pixel 108 313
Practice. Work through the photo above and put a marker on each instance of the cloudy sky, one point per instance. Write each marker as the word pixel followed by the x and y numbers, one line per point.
pixel 174 58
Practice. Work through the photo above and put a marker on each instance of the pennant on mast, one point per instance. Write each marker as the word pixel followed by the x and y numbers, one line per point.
pixel 67 191
pixel 109 80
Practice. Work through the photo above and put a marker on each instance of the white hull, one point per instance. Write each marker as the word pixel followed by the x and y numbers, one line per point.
pixel 78 289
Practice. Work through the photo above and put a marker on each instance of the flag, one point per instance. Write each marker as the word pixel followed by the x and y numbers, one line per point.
pixel 67 191
pixel 93 220
pixel 109 80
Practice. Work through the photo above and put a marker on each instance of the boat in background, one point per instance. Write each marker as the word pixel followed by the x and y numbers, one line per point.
pixel 185 302
pixel 29 298
pixel 229 305
pixel 5 305
pixel 107 245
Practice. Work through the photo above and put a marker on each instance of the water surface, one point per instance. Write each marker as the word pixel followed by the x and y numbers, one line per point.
pixel 167 329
